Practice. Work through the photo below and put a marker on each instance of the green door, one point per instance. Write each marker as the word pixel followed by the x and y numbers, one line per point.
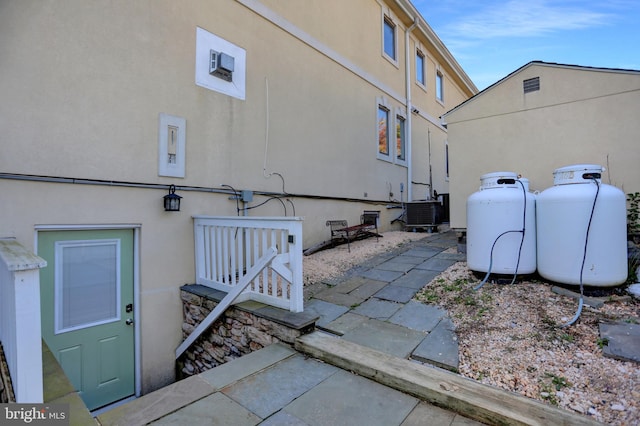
pixel 87 310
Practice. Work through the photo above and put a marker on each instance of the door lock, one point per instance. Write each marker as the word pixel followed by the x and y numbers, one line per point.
pixel 129 307
pixel 129 321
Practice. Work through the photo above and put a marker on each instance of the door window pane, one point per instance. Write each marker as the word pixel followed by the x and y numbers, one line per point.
pixel 87 283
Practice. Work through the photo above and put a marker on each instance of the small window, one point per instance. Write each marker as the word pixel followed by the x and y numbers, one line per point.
pixel 446 160
pixel 531 84
pixel 383 131
pixel 389 36
pixel 420 77
pixel 439 87
pixel 400 138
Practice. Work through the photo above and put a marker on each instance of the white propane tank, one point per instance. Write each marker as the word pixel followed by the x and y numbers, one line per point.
pixel 499 207
pixel 563 213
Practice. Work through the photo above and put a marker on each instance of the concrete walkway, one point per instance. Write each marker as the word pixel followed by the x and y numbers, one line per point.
pixel 372 304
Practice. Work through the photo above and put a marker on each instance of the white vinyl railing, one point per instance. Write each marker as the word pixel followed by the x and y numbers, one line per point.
pixel 20 319
pixel 227 247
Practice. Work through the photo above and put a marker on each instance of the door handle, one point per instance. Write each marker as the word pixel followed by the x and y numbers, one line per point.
pixel 129 321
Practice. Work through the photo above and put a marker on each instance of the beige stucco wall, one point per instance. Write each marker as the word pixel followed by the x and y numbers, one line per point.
pixel 578 116
pixel 83 84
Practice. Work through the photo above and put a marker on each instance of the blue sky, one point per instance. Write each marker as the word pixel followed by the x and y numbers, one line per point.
pixel 492 38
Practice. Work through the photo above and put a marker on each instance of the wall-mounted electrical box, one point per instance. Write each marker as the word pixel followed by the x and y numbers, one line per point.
pixel 220 65
pixel 172 133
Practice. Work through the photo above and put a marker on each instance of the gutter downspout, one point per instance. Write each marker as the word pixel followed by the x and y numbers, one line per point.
pixel 407 68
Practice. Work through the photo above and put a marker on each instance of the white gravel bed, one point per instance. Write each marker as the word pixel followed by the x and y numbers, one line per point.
pixel 512 337
pixel 331 263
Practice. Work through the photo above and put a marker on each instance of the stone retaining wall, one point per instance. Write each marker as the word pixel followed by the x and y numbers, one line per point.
pixel 242 329
pixel 6 387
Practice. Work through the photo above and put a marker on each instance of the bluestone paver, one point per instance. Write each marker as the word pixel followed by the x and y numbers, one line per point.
pixel 416 279
pixel 418 316
pixel 230 372
pixel 423 252
pixel 350 284
pixel 325 310
pixel 270 390
pixel 396 293
pixel 368 288
pixel 458 257
pixel 335 297
pixel 426 414
pixel 436 264
pixel 200 413
pixel 440 347
pixel 282 418
pixel 378 309
pixel 382 275
pixel 413 260
pixel 385 337
pixel 394 265
pixel 156 404
pixel 623 341
pixel 345 323
pixel 348 399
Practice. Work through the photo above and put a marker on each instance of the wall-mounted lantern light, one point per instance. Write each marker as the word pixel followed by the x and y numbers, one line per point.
pixel 171 200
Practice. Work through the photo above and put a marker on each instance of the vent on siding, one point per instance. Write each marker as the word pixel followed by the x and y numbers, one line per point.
pixel 531 84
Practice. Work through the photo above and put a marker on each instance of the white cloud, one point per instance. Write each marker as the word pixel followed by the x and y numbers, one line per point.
pixel 526 18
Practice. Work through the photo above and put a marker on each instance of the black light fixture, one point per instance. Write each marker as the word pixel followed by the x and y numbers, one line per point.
pixel 171 200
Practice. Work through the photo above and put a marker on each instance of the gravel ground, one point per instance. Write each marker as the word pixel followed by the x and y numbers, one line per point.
pixel 331 263
pixel 511 336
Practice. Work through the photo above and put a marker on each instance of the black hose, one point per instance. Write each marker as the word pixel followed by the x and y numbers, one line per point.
pixel 584 257
pixel 524 223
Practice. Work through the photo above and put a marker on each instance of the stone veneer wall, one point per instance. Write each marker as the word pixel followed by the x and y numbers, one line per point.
pixel 242 329
pixel 6 387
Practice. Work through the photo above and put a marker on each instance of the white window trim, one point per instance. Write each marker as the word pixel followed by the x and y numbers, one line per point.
pixel 400 112
pixel 387 16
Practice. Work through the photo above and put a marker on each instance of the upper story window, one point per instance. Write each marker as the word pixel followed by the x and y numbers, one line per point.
pixel 383 131
pixel 389 38
pixel 439 86
pixel 420 75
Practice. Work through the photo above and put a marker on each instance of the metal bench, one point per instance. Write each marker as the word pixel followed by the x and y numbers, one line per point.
pixel 340 230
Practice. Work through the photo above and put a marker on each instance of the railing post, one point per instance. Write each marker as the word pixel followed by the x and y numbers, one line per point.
pixel 20 319
pixel 295 262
